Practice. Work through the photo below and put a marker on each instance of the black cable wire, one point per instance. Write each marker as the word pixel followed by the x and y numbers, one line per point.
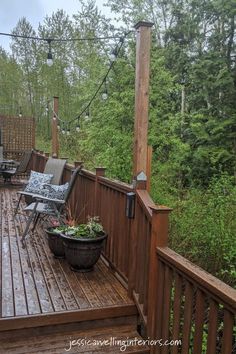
pixel 59 39
pixel 102 82
pixel 78 39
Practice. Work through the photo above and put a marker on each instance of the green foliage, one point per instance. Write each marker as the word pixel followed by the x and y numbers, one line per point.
pixel 92 229
pixel 203 225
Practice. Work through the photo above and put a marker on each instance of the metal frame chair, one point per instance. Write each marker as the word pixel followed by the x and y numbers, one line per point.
pixel 18 170
pixel 48 206
pixel 53 166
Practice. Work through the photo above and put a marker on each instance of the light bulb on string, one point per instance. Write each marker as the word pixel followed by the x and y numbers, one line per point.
pixel 58 127
pixel 20 112
pixel 113 55
pixel 49 55
pixel 87 115
pixel 68 131
pixel 78 126
pixel 105 93
pixel 63 130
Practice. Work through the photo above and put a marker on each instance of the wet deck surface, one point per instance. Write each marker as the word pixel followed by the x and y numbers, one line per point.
pixel 34 283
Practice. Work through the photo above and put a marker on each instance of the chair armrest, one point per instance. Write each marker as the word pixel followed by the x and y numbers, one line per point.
pixel 26 193
pixel 46 199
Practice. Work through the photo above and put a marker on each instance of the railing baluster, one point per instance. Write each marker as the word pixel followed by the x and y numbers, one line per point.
pixel 227 332
pixel 212 327
pixel 177 310
pixel 188 310
pixel 158 309
pixel 166 307
pixel 199 322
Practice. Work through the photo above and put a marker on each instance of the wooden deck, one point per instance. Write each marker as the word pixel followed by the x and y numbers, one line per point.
pixel 39 290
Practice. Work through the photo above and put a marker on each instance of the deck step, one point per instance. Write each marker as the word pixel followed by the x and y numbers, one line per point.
pixel 95 340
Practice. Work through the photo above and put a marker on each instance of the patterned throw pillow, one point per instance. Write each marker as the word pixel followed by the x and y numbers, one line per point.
pixel 36 182
pixel 54 191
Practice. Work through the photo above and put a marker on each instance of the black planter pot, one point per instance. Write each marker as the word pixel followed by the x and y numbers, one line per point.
pixel 83 253
pixel 55 243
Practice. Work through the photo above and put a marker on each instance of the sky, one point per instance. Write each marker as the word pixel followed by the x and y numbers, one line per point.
pixel 34 11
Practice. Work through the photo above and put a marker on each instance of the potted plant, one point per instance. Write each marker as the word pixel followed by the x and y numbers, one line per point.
pixel 83 244
pixel 55 241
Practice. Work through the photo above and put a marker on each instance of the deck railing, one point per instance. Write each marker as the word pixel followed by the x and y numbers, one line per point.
pixel 176 299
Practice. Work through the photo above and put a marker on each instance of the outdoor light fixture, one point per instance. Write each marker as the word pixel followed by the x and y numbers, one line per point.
pixel 77 128
pixel 105 93
pixel 49 56
pixel 86 117
pixel 47 108
pixel 114 54
pixel 20 113
pixel 130 205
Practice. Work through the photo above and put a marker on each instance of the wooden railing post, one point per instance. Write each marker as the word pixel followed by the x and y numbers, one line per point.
pixel 143 45
pixel 55 141
pixel 78 163
pixel 149 167
pixel 100 172
pixel 159 238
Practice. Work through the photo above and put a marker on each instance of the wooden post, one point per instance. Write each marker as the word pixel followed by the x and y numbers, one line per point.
pixel 149 167
pixel 78 163
pixel 55 141
pixel 143 44
pixel 159 238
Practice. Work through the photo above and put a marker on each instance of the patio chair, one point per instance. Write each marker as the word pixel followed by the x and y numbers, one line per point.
pixel 54 167
pixel 48 206
pixel 21 168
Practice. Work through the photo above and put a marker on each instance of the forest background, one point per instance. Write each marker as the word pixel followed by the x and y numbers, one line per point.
pixel 192 117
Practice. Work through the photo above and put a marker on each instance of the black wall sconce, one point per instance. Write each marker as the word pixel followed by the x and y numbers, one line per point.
pixel 130 205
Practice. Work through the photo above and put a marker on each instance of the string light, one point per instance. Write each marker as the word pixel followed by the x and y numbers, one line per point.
pixel 103 82
pixel 50 40
pixel 105 93
pixel 87 115
pixel 105 77
pixel 60 39
pixel 49 56
pixel 20 112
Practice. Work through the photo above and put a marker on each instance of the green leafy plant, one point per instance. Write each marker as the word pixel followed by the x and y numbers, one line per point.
pixel 92 229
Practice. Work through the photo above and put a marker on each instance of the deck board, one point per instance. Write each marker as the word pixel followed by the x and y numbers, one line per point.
pixel 62 342
pixel 34 283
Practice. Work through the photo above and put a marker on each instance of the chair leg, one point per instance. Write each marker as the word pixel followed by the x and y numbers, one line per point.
pixel 35 221
pixel 17 207
pixel 32 215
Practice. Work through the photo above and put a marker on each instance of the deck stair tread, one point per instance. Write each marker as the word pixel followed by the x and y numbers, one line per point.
pixel 101 340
